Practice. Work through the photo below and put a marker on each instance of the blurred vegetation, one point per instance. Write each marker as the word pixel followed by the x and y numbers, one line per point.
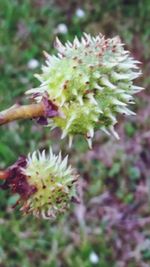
pixel 82 237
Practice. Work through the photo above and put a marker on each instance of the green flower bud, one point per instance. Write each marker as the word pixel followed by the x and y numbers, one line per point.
pixel 45 184
pixel 90 81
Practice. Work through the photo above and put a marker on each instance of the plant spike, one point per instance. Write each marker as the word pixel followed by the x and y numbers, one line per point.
pixel 90 81
pixel 84 86
pixel 45 184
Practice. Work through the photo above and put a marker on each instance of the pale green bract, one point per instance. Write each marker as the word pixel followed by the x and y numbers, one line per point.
pixel 90 81
pixel 54 182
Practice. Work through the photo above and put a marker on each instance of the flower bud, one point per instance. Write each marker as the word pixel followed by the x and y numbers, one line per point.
pixel 90 81
pixel 46 184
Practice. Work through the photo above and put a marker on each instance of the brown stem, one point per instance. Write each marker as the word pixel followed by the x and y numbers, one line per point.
pixel 4 174
pixel 22 112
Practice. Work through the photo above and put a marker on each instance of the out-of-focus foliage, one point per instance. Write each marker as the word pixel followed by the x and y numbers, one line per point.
pixel 111 224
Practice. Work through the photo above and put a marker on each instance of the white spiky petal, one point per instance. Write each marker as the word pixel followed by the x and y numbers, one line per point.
pixel 90 81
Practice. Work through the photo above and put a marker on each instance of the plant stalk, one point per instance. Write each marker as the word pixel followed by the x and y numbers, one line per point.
pixel 22 112
pixel 4 174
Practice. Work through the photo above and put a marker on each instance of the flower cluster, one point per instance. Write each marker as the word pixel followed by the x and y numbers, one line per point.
pixel 90 81
pixel 45 184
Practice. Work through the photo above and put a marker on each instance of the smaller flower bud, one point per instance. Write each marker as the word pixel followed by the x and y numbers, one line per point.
pixel 46 184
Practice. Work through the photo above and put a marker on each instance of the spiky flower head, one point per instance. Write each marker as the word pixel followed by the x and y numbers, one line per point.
pixel 46 184
pixel 90 81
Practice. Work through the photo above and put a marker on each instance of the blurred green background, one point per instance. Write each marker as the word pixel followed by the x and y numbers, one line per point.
pixel 114 175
